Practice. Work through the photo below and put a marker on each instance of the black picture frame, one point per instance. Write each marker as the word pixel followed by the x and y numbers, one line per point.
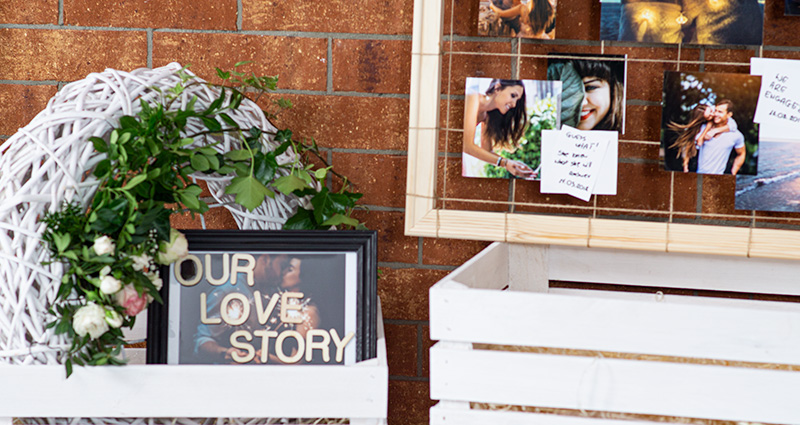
pixel 352 250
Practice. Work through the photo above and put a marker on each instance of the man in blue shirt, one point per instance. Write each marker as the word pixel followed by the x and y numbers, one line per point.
pixel 713 154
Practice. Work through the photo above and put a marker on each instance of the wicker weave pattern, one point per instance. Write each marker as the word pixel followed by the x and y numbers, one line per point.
pixel 49 161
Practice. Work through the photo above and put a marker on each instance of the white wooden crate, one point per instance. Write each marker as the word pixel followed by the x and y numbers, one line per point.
pixel 469 306
pixel 358 392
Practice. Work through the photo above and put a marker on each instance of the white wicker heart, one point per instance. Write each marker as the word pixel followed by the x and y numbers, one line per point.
pixel 47 162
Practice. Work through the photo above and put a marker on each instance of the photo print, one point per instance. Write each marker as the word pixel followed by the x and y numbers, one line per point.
pixel 593 90
pixel 683 21
pixel 776 187
pixel 707 123
pixel 518 18
pixel 792 8
pixel 503 123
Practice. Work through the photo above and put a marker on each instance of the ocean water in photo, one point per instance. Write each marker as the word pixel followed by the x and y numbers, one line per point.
pixel 776 187
pixel 609 20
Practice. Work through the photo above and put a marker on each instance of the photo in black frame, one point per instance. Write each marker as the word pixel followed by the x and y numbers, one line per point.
pixel 235 299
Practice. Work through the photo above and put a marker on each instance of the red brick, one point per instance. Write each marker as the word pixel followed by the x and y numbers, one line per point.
pixel 471 60
pixel 782 54
pixel 393 245
pixel 427 343
pixel 409 402
pixel 450 252
pixel 347 122
pixel 371 66
pixel 29 11
pixel 67 55
pixel 207 15
pixel 647 187
pixel 719 194
pixel 578 19
pixel 19 104
pixel 548 203
pixel 298 62
pixel 643 123
pixel 646 66
pixel 404 292
pixel 631 150
pixel 779 30
pixel 470 188
pixel 350 16
pixel 465 19
pixel 535 68
pixel 451 114
pixel 401 341
pixel 381 178
pixel 216 218
pixel 737 56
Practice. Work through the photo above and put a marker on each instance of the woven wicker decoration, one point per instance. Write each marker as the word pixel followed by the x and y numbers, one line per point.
pixel 49 161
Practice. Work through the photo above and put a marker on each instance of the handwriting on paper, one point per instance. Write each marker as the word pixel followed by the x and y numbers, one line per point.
pixel 572 160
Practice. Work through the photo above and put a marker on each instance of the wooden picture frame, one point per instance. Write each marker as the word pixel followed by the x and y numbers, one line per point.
pixel 268 297
pixel 423 217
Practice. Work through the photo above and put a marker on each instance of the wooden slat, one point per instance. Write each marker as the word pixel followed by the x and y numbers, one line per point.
pixel 421 179
pixel 488 269
pixel 694 238
pixel 441 415
pixel 479 226
pixel 608 324
pixel 675 270
pixel 529 228
pixel 774 243
pixel 657 388
pixel 640 235
pixel 194 391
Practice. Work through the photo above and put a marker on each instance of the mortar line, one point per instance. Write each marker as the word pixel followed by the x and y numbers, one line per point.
pixel 150 48
pixel 329 65
pixel 239 13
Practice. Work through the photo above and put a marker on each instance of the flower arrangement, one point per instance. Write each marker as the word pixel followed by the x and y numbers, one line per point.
pixel 113 249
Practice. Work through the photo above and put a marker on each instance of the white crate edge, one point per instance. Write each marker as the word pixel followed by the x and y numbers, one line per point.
pixel 358 392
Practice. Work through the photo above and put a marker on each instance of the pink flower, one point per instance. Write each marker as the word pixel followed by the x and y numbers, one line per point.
pixel 129 299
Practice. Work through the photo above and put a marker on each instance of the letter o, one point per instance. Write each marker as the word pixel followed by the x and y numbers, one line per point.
pixel 198 266
pixel 301 346
pixel 223 309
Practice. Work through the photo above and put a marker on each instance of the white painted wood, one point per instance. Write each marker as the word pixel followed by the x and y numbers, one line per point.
pixel 528 267
pixel 443 415
pixel 675 270
pixel 488 269
pixel 616 325
pixel 193 391
pixel 658 388
pixel 6 420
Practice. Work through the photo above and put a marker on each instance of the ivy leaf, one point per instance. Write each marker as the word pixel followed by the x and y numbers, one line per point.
pixel 238 155
pixel 303 219
pixel 212 124
pixel 127 121
pixel 321 173
pixel 99 144
pixel 102 168
pixel 225 75
pixel 338 219
pixel 322 205
pixel 250 193
pixel 200 163
pixel 62 241
pixel 264 167
pixel 288 184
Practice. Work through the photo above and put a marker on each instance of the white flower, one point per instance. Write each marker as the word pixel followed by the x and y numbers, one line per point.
pixel 105 271
pixel 103 245
pixel 109 284
pixel 176 249
pixel 156 279
pixel 113 318
pixel 141 262
pixel 90 319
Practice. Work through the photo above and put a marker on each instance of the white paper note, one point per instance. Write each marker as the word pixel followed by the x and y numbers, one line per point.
pixel 572 160
pixel 606 181
pixel 778 109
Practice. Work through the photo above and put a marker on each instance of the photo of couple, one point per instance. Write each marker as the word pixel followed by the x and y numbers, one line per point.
pixel 503 123
pixel 683 21
pixel 707 123
pixel 518 18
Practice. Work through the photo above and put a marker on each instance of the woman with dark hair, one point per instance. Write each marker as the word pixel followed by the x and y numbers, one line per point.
pixel 604 96
pixel 687 133
pixel 495 121
pixel 536 18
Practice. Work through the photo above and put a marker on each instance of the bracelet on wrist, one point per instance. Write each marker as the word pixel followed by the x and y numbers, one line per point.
pixel 499 160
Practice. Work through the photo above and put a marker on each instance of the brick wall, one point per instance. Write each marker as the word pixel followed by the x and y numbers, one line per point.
pixel 345 65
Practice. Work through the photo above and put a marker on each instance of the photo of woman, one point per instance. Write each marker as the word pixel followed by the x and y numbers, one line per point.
pixel 503 120
pixel 593 91
pixel 707 123
pixel 518 18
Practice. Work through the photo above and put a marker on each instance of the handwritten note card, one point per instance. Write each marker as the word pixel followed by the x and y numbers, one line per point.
pixel 778 109
pixel 579 163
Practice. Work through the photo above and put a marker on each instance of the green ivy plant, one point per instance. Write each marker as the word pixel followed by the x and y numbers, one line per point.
pixel 112 250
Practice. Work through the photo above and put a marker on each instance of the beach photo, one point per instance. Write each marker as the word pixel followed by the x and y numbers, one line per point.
pixel 518 18
pixel 503 123
pixel 707 123
pixel 683 21
pixel 776 187
pixel 593 90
